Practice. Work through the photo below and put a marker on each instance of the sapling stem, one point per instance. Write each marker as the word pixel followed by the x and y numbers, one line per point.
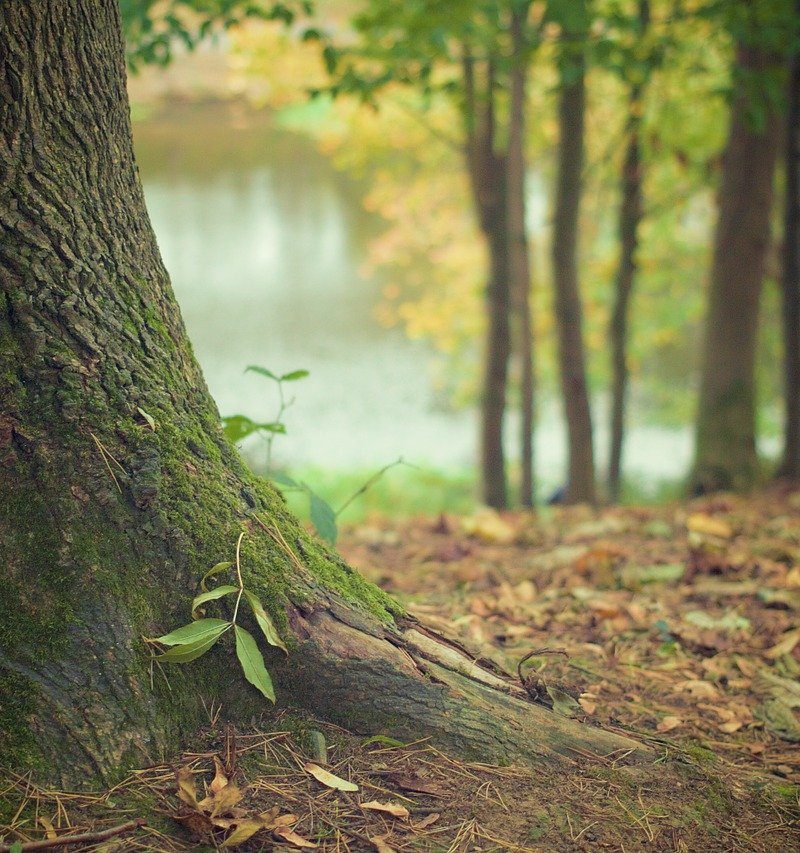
pixel 238 577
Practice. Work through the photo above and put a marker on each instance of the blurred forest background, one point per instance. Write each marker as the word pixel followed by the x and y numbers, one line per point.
pixel 539 250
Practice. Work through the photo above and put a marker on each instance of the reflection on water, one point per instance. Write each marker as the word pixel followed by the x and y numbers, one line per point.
pixel 263 240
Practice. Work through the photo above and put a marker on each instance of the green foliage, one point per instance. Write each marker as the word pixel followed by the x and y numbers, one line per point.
pixel 193 640
pixel 152 28
pixel 253 663
pixel 238 427
pixel 323 517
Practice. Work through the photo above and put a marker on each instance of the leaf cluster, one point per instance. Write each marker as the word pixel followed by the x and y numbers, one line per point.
pixel 153 28
pixel 192 641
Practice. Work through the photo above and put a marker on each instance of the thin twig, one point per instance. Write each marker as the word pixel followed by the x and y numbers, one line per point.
pixel 84 838
pixel 370 482
pixel 536 653
pixel 104 453
pixel 239 577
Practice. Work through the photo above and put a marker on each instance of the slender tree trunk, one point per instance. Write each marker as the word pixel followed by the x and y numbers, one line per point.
pixel 725 453
pixel 630 215
pixel 487 175
pixel 790 464
pixel 572 361
pixel 498 345
pixel 518 249
pixel 107 522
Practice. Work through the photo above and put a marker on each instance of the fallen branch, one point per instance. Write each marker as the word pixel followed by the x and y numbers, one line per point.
pixel 83 838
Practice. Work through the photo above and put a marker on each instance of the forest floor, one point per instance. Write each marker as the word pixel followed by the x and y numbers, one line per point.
pixel 678 624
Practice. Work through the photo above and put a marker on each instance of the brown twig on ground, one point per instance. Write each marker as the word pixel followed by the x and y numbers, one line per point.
pixel 83 838
pixel 528 683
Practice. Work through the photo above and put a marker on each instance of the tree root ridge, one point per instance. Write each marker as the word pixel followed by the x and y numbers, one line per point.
pixel 411 683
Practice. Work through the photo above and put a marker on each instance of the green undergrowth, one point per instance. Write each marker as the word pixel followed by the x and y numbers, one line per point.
pixel 407 491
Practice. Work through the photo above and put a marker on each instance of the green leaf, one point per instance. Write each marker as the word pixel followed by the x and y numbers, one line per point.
pixel 264 622
pixel 239 427
pixel 563 703
pixel 253 663
pixel 151 421
pixel 323 518
pixel 383 740
pixel 214 570
pixel 285 480
pixel 210 595
pixel 195 632
pixel 191 651
pixel 294 375
pixel 261 371
pixel 16 847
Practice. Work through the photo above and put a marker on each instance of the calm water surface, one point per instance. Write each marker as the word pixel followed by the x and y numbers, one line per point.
pixel 264 241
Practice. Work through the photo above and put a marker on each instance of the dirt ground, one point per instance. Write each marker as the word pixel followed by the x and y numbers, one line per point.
pixel 679 624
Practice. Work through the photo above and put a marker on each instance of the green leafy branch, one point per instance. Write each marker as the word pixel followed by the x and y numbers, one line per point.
pixel 193 640
pixel 323 515
pixel 239 427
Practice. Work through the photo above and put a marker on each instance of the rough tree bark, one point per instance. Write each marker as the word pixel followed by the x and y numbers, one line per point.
pixel 725 442
pixel 106 524
pixel 486 168
pixel 630 216
pixel 580 484
pixel 790 464
pixel 518 247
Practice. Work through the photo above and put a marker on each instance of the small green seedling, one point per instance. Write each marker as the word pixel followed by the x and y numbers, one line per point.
pixel 239 427
pixel 193 640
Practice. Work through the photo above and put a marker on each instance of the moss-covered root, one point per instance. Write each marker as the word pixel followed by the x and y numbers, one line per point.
pixel 412 684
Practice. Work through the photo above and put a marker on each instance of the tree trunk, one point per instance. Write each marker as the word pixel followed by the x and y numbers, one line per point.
pixel 498 343
pixel 106 523
pixel 630 215
pixel 725 452
pixel 571 106
pixel 487 176
pixel 518 250
pixel 790 464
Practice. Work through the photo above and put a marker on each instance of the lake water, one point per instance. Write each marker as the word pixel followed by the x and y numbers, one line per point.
pixel 264 241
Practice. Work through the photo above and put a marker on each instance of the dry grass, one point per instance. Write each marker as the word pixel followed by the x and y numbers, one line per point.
pixel 453 805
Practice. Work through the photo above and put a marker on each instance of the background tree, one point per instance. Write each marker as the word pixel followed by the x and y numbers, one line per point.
pixel 636 69
pixel 725 454
pixel 790 465
pixel 479 54
pixel 573 18
pixel 518 245
pixel 120 490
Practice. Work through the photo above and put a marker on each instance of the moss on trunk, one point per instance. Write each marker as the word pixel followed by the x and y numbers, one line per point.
pixel 107 524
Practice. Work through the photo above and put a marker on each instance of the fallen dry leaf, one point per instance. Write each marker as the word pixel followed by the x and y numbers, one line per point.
pixel 700 689
pixel 487 525
pixel 380 844
pixel 417 786
pixel 426 821
pixel 394 809
pixel 221 803
pixel 245 829
pixel 706 525
pixel 784 646
pixel 287 834
pixel 328 779
pixel 220 780
pixel 187 790
pixel 668 724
